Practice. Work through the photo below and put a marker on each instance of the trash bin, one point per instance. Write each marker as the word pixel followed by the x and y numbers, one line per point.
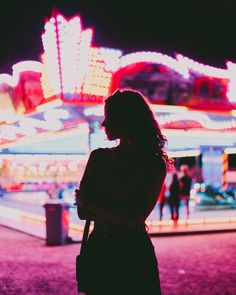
pixel 57 222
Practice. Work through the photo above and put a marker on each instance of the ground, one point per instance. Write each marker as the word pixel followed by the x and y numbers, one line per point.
pixel 193 264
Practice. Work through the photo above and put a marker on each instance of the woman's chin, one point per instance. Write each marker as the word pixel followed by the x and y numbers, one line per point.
pixel 111 137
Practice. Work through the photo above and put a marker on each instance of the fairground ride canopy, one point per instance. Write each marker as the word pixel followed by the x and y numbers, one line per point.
pixel 65 90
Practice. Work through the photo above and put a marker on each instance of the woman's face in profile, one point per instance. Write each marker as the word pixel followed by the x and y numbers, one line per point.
pixel 108 124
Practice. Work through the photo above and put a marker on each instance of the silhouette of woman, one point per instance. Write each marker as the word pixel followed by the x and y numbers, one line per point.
pixel 118 191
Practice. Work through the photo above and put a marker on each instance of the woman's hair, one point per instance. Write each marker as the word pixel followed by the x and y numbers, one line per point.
pixel 133 119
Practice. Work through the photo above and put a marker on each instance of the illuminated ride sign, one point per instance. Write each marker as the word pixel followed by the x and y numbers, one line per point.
pixel 72 68
pixel 75 71
pixel 74 75
pixel 79 72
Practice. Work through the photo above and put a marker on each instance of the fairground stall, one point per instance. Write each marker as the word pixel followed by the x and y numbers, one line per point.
pixel 51 110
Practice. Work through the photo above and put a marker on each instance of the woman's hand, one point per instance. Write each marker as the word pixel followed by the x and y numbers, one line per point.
pixel 82 212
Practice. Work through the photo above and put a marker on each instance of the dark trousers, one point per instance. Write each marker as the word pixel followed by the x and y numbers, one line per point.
pixel 174 210
pixel 161 207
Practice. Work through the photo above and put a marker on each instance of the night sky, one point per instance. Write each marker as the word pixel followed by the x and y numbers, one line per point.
pixel 204 30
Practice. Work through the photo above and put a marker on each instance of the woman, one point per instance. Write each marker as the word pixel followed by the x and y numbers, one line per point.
pixel 174 198
pixel 118 191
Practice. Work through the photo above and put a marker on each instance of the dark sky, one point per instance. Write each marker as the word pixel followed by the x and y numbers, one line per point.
pixel 204 30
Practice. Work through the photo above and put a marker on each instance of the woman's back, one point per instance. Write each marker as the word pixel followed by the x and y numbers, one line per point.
pixel 118 191
pixel 128 179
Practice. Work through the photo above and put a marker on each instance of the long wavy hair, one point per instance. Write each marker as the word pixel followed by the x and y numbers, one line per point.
pixel 133 119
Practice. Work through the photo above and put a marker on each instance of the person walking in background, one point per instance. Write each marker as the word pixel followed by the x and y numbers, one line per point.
pixel 174 197
pixel 118 191
pixel 161 201
pixel 185 186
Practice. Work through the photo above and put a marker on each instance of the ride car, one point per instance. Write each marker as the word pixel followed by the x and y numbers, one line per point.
pixel 213 198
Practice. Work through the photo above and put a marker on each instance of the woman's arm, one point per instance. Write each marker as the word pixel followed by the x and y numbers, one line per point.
pixel 123 213
pixel 91 171
pixel 130 211
pixel 90 207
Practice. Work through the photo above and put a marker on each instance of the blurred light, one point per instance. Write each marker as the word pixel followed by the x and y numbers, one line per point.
pixel 49 105
pixel 230 150
pixel 111 57
pixel 62 168
pixel 94 111
pixel 153 57
pixel 73 166
pixel 28 65
pixel 187 153
pixel 233 112
pixel 231 94
pixel 53 168
pixel 168 109
pixel 14 118
pixel 70 65
pixel 201 68
pixel 8 79
pixel 200 117
pixel 18 68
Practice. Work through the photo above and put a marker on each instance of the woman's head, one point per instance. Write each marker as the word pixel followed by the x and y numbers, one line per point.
pixel 129 117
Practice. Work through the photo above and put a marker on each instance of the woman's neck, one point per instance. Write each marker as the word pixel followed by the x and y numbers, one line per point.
pixel 126 144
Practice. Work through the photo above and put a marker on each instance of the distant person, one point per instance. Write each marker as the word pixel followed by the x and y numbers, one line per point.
pixel 174 197
pixel 161 201
pixel 185 186
pixel 118 191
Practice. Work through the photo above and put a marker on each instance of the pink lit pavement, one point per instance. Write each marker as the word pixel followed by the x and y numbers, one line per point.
pixel 191 264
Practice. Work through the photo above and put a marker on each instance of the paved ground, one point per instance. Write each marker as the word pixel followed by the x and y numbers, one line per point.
pixel 194 264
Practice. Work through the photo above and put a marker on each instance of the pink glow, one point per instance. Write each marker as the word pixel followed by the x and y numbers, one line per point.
pixel 71 65
pixel 67 49
pixel 83 58
pixel 28 65
pixel 18 68
pixel 201 68
pixel 153 57
pixel 51 71
pixel 98 79
pixel 201 118
pixel 231 94
pixel 8 79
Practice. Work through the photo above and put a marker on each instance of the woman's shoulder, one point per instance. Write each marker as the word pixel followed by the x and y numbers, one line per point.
pixel 101 153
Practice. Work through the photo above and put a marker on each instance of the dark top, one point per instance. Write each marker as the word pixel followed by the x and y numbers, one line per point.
pixel 175 190
pixel 119 190
pixel 121 186
pixel 186 182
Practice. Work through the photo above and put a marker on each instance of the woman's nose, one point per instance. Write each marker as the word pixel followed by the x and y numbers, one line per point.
pixel 103 123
